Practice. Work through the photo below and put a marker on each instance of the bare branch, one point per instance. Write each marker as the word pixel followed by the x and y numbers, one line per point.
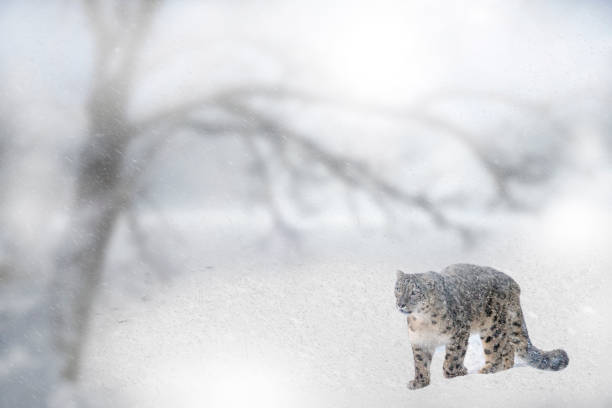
pixel 347 170
pixel 173 115
pixel 141 241
pixel 262 170
pixel 136 37
pixel 103 36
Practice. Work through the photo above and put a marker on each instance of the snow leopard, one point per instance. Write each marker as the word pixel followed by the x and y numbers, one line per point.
pixel 444 308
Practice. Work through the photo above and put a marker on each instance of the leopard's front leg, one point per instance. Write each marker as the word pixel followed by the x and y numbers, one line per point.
pixel 422 361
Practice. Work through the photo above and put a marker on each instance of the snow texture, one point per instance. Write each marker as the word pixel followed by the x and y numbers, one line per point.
pixel 319 327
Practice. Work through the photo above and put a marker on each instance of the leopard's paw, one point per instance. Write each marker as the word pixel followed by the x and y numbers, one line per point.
pixel 455 372
pixel 415 385
pixel 489 368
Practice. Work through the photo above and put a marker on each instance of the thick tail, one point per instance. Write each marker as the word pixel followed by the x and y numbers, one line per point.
pixel 544 360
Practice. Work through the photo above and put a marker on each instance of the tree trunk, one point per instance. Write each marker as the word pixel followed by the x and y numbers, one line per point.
pixel 101 192
pixel 98 204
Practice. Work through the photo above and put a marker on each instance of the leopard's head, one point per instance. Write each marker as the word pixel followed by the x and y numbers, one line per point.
pixel 409 292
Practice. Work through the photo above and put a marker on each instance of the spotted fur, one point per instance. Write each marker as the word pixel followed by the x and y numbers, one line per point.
pixel 446 307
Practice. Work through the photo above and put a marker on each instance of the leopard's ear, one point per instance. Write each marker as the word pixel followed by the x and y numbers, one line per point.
pixel 400 274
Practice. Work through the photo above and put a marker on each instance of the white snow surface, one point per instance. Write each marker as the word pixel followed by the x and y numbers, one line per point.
pixel 245 326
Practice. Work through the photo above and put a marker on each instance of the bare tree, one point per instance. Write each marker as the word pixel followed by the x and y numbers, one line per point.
pixel 106 183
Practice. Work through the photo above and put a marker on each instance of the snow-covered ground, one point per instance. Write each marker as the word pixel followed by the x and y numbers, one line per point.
pixel 245 326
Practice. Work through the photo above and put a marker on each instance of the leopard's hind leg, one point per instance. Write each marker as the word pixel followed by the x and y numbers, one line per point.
pixel 507 355
pixel 494 338
pixel 509 348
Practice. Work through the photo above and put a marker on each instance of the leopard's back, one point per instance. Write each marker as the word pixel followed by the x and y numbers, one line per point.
pixel 475 292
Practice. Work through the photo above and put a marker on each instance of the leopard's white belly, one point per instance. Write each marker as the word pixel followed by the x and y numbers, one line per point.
pixel 422 332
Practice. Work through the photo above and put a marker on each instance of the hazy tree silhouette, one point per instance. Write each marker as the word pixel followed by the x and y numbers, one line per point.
pixel 107 180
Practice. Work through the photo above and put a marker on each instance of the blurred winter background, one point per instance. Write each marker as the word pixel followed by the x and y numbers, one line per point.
pixel 203 203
